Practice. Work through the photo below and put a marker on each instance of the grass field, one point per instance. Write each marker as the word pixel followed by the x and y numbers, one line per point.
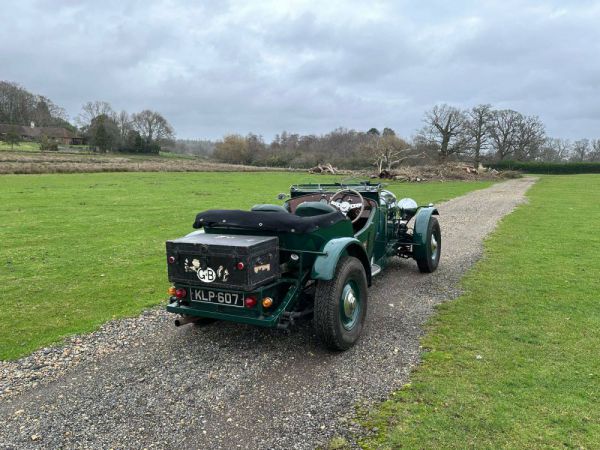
pixel 80 249
pixel 22 147
pixel 514 362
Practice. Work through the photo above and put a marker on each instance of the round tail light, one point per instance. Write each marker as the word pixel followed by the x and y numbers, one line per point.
pixel 240 266
pixel 250 302
pixel 180 293
pixel 171 259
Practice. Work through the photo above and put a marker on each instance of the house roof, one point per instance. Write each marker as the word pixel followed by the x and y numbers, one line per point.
pixel 5 128
pixel 56 132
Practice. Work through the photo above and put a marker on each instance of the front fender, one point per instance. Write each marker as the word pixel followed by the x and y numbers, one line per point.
pixel 420 230
pixel 325 265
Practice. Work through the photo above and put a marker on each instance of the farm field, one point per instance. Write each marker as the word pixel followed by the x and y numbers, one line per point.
pixel 513 362
pixel 80 249
pixel 33 161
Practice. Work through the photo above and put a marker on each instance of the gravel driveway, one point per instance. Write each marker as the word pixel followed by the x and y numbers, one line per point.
pixel 142 383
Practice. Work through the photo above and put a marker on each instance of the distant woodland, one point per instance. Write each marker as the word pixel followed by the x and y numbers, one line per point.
pixel 477 135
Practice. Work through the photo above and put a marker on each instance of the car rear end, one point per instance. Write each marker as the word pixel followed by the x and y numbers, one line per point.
pixel 232 277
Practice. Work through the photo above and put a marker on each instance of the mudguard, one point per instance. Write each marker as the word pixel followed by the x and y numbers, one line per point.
pixel 420 230
pixel 325 265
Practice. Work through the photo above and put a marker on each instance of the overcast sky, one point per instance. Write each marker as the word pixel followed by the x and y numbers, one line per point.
pixel 239 66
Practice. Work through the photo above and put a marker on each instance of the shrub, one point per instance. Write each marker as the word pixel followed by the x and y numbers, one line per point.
pixel 48 145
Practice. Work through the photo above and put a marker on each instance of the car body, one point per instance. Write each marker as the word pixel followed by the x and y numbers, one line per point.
pixel 315 255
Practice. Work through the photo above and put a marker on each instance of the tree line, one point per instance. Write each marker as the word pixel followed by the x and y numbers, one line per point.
pixel 479 134
pixel 21 107
pixel 104 129
pixel 107 130
pixel 475 135
pixel 341 147
pixel 498 135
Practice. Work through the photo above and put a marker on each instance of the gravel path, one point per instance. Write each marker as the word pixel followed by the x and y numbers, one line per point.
pixel 142 383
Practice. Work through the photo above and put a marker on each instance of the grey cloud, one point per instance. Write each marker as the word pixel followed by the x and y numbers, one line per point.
pixel 219 67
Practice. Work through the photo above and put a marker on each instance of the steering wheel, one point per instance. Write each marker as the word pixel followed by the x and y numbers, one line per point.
pixel 344 206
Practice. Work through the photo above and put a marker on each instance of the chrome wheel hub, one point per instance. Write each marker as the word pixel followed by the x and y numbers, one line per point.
pixel 349 303
pixel 434 247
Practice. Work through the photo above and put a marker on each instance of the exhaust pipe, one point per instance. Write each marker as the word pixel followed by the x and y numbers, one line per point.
pixel 185 320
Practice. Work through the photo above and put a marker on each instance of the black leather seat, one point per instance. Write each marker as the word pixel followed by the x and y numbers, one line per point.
pixel 310 209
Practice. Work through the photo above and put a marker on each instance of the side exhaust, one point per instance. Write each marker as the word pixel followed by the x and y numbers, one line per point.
pixel 185 320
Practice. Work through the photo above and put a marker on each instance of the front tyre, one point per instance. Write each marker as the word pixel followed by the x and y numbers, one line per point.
pixel 433 245
pixel 341 305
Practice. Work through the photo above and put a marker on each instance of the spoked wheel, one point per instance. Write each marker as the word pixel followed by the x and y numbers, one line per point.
pixel 341 305
pixel 428 263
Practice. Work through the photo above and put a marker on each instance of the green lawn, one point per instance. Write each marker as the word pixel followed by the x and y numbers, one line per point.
pixel 514 362
pixel 77 250
pixel 435 192
pixel 21 147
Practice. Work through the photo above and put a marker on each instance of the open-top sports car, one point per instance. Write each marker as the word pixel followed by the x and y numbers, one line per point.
pixel 315 255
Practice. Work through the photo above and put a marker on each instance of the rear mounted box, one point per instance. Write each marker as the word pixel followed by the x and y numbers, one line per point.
pixel 211 260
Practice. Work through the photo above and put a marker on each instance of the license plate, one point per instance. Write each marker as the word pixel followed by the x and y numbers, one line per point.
pixel 219 297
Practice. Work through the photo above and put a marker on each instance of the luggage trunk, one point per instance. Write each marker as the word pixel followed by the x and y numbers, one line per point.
pixel 223 260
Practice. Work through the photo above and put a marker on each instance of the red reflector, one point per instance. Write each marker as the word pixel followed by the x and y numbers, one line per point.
pixel 250 302
pixel 180 293
pixel 240 266
pixel 171 259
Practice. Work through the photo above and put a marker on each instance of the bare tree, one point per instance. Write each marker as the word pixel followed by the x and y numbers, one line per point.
pixel 580 150
pixel 444 127
pixel 152 126
pixel 555 150
pixel 124 123
pixel 91 110
pixel 477 130
pixel 505 124
pixel 529 138
pixel 20 107
pixel 387 151
pixel 594 155
pixel 256 145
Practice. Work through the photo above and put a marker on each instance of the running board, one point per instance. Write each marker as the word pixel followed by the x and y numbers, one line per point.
pixel 375 269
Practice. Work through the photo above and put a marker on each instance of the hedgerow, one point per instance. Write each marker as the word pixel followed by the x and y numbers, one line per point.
pixel 548 167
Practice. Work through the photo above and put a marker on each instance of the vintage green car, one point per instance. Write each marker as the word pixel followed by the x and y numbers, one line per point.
pixel 315 256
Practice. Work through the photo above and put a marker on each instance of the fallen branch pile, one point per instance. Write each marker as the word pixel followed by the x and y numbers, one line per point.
pixel 443 172
pixel 323 168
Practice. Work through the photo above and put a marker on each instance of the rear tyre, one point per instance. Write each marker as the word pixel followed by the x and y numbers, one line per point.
pixel 429 262
pixel 341 305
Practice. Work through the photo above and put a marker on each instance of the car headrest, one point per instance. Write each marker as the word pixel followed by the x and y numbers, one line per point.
pixel 308 209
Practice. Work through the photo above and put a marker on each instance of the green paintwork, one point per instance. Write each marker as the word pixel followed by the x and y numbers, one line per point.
pixel 420 231
pixel 325 265
pixel 256 316
pixel 318 254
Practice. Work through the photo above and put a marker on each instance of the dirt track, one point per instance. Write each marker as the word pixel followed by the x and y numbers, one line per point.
pixel 228 386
